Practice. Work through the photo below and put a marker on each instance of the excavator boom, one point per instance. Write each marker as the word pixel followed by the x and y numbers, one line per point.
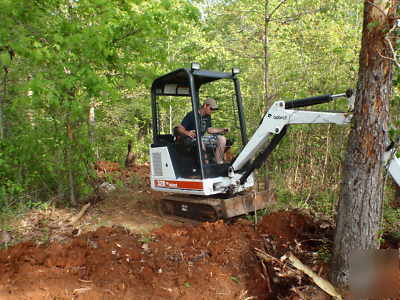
pixel 276 122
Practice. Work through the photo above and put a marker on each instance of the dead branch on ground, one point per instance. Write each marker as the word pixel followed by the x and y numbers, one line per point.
pixel 325 285
pixel 76 218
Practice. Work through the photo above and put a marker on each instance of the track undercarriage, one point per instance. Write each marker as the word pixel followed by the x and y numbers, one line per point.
pixel 211 209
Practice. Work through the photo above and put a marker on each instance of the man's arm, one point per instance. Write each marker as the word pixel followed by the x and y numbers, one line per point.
pixel 212 130
pixel 182 130
pixel 187 123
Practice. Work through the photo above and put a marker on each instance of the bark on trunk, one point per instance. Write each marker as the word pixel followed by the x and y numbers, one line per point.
pixel 266 79
pixel 266 52
pixel 92 130
pixel 70 165
pixel 360 206
pixel 92 124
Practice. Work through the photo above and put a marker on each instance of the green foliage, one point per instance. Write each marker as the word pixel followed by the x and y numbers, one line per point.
pixel 70 56
pixel 325 253
pixel 391 218
pixel 255 217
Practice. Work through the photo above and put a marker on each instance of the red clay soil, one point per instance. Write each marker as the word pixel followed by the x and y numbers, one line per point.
pixel 209 261
pixel 285 228
pixel 205 261
pixel 107 168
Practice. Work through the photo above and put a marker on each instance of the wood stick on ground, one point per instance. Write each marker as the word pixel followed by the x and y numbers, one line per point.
pixel 266 277
pixel 76 218
pixel 81 290
pixel 298 293
pixel 269 258
pixel 265 256
pixel 323 284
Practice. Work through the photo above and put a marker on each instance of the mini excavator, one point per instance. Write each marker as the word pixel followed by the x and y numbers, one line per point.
pixel 206 191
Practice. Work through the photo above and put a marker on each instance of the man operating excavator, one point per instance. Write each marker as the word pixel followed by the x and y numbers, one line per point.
pixel 213 139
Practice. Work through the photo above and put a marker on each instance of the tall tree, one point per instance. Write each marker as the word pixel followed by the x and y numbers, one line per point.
pixel 361 198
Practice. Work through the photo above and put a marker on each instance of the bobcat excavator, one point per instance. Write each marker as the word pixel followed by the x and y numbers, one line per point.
pixel 205 191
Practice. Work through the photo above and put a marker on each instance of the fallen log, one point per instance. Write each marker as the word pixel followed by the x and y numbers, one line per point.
pixel 76 218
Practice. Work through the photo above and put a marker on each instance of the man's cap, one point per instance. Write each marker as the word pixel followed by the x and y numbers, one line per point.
pixel 212 103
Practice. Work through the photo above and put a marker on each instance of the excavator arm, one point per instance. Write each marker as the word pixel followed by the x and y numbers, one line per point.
pixel 275 123
pixel 280 115
pixel 392 163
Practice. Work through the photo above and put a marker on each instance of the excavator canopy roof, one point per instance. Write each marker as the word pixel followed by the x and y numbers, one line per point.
pixel 177 82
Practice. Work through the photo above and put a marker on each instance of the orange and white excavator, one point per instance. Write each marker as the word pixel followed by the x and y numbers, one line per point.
pixel 207 191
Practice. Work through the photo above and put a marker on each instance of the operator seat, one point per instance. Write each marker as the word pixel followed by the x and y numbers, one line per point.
pixel 184 145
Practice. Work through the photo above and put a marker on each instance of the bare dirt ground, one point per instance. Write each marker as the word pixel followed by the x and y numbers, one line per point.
pixel 123 249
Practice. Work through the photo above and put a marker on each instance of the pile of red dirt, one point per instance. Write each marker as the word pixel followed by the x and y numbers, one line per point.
pixel 206 261
pixel 113 170
pixel 209 261
pixel 287 228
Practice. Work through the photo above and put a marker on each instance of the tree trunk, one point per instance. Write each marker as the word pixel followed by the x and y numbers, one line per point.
pixel 92 129
pixel 91 124
pixel 266 52
pixel 360 206
pixel 266 180
pixel 70 165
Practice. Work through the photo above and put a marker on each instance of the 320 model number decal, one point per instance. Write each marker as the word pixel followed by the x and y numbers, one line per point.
pixel 177 184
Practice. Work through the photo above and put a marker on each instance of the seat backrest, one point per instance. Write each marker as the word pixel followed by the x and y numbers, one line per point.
pixel 164 139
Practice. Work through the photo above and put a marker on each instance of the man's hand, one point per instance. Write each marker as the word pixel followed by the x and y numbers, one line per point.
pixel 191 133
pixel 225 130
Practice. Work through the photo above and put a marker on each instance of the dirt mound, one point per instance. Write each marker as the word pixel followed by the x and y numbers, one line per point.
pixel 172 263
pixel 107 170
pixel 288 227
pixel 205 261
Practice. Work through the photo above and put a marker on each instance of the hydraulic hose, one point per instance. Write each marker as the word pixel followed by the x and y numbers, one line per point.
pixel 308 101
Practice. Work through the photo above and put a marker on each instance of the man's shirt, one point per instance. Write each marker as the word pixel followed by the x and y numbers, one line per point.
pixel 190 124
